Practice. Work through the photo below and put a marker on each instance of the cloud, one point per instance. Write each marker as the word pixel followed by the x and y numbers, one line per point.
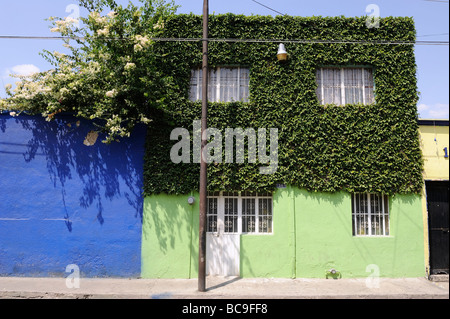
pixel 21 69
pixel 24 69
pixel 423 107
pixel 434 111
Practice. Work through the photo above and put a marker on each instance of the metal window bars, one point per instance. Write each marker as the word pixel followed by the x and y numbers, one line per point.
pixel 240 212
pixel 370 215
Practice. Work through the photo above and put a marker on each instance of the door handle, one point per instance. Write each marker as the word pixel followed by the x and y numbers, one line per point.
pixel 445 230
pixel 218 231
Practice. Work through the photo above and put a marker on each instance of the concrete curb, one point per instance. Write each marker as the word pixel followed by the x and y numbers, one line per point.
pixel 37 295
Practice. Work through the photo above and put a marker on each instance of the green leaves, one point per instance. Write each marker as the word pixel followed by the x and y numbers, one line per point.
pixel 111 72
pixel 366 148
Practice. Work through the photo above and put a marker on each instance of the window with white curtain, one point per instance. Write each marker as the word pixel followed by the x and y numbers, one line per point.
pixel 225 84
pixel 370 216
pixel 342 86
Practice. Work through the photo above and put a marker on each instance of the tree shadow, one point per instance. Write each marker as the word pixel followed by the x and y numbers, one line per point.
pixel 88 176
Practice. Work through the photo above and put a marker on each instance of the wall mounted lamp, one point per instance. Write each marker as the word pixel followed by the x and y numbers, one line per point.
pixel 282 54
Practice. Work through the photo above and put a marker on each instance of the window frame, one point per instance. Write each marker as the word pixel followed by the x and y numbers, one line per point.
pixel 218 88
pixel 384 217
pixel 241 196
pixel 343 100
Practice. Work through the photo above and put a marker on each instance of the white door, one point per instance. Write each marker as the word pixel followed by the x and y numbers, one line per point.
pixel 222 238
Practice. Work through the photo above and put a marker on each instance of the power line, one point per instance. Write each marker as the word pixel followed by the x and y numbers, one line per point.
pixel 437 1
pixel 283 14
pixel 299 41
pixel 431 35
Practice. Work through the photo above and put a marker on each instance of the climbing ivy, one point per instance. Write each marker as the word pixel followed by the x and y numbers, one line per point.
pixel 355 148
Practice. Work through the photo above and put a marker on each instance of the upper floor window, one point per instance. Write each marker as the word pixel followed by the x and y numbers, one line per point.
pixel 342 86
pixel 370 215
pixel 225 84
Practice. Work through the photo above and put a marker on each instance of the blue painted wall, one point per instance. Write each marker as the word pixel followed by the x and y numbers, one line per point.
pixel 62 202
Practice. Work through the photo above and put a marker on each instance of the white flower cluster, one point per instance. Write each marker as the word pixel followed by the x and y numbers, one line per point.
pixel 130 66
pixel 29 89
pixel 145 120
pixel 111 93
pixel 114 126
pixel 104 31
pixel 103 21
pixel 159 25
pixel 63 26
pixel 142 42
pixel 97 18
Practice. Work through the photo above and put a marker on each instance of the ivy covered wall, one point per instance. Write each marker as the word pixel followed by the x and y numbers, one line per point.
pixel 354 148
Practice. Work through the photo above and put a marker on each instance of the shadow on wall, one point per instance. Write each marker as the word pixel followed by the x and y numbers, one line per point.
pixel 87 176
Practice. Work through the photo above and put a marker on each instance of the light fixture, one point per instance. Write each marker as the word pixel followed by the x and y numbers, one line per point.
pixel 282 54
pixel 191 200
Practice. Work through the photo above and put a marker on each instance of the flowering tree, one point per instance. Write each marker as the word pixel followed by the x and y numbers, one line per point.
pixel 110 73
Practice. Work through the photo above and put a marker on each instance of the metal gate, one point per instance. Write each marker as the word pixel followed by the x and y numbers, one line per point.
pixel 438 224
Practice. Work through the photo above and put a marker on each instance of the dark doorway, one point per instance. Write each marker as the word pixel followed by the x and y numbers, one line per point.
pixel 438 226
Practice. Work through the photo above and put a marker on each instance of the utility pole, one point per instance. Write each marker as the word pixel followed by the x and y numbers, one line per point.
pixel 203 164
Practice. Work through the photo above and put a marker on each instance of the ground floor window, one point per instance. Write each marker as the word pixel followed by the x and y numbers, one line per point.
pixel 370 214
pixel 239 212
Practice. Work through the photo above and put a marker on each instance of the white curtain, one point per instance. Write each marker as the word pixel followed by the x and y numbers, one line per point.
pixel 353 86
pixel 329 85
pixel 368 86
pixel 229 84
pixel 244 82
pixel 195 85
pixel 224 85
pixel 342 86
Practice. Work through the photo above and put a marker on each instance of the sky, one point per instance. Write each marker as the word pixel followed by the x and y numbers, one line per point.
pixel 27 18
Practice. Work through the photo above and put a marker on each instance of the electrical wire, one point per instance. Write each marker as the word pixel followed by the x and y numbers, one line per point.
pixel 431 35
pixel 283 14
pixel 301 41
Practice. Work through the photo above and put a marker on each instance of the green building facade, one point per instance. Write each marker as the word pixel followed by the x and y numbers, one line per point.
pixel 345 198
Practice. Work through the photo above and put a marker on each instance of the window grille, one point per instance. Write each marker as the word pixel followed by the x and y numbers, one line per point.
pixel 211 221
pixel 231 215
pixel 240 212
pixel 342 86
pixel 370 215
pixel 248 215
pixel 265 215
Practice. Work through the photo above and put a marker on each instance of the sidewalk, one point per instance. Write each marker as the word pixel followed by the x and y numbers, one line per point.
pixel 223 288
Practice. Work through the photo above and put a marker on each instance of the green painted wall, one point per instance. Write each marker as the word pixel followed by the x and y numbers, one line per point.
pixel 169 237
pixel 272 255
pixel 312 233
pixel 324 238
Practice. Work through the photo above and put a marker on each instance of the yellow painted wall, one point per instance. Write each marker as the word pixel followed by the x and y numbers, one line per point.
pixel 433 140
